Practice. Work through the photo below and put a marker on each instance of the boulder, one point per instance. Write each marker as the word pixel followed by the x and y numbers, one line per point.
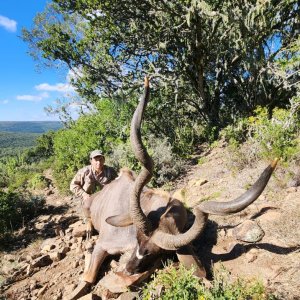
pixel 249 231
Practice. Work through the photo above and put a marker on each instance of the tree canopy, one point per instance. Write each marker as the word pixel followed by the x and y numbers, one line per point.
pixel 210 61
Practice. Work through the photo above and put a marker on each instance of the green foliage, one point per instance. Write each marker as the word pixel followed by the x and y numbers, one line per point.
pixel 37 181
pixel 213 62
pixel 168 165
pixel 276 136
pixel 224 289
pixel 176 284
pixel 180 283
pixel 18 172
pixel 16 209
pixel 13 143
pixel 43 150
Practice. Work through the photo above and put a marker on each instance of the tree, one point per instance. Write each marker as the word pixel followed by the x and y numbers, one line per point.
pixel 210 60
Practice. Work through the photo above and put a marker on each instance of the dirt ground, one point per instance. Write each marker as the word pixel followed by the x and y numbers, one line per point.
pixel 275 259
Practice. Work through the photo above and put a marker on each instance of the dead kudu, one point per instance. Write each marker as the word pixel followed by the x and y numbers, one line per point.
pixel 131 217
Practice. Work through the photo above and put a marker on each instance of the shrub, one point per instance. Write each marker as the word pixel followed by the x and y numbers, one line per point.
pixel 37 181
pixel 275 136
pixel 180 283
pixel 15 209
pixel 167 165
pixel 175 284
pixel 278 135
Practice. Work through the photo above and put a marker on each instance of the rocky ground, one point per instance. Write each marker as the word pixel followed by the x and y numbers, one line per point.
pixel 47 258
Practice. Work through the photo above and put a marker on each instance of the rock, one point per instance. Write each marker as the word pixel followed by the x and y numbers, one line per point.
pixel 56 256
pixel 79 229
pixel 49 243
pixel 7 269
pixel 42 261
pixel 33 284
pixel 69 230
pixel 89 245
pixel 75 264
pixel 42 290
pixel 80 291
pixel 9 257
pixel 198 182
pixel 222 233
pixel 114 264
pixel 90 297
pixel 47 248
pixel 129 296
pixel 39 226
pixel 30 258
pixel 44 219
pixel 79 240
pixel 294 182
pixel 49 192
pixel 119 282
pixel 249 231
pixel 64 249
pixel 74 246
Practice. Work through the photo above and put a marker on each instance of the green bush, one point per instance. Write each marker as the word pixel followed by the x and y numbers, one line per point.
pixel 37 181
pixel 180 283
pixel 167 165
pixel 175 284
pixel 275 136
pixel 16 209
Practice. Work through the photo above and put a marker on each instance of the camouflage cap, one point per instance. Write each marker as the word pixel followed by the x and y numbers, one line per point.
pixel 96 153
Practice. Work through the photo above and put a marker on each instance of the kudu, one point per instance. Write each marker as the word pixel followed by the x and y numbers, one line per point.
pixel 129 216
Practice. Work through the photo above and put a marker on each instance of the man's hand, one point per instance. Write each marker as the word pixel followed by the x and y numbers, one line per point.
pixel 86 197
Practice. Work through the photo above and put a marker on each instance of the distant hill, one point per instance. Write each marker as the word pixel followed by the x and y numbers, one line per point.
pixel 28 126
pixel 15 137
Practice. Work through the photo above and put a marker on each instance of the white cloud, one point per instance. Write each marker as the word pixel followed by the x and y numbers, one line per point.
pixel 59 87
pixel 5 101
pixel 8 24
pixel 74 73
pixel 33 98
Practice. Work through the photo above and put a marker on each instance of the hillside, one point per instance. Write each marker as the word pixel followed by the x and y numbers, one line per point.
pixel 17 139
pixel 47 259
pixel 29 127
pixel 17 136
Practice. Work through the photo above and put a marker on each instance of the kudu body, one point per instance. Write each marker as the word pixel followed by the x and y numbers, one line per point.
pixel 129 216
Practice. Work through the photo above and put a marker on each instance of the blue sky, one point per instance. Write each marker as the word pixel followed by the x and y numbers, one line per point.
pixel 24 92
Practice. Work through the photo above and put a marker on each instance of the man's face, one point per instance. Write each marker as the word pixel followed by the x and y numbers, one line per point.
pixel 97 163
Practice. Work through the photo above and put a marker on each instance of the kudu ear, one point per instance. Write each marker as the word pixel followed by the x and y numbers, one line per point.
pixel 122 220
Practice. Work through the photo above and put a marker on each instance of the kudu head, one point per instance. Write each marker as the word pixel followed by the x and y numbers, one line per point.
pixel 152 240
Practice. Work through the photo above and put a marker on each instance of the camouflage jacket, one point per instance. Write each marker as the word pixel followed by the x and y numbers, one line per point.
pixel 86 181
